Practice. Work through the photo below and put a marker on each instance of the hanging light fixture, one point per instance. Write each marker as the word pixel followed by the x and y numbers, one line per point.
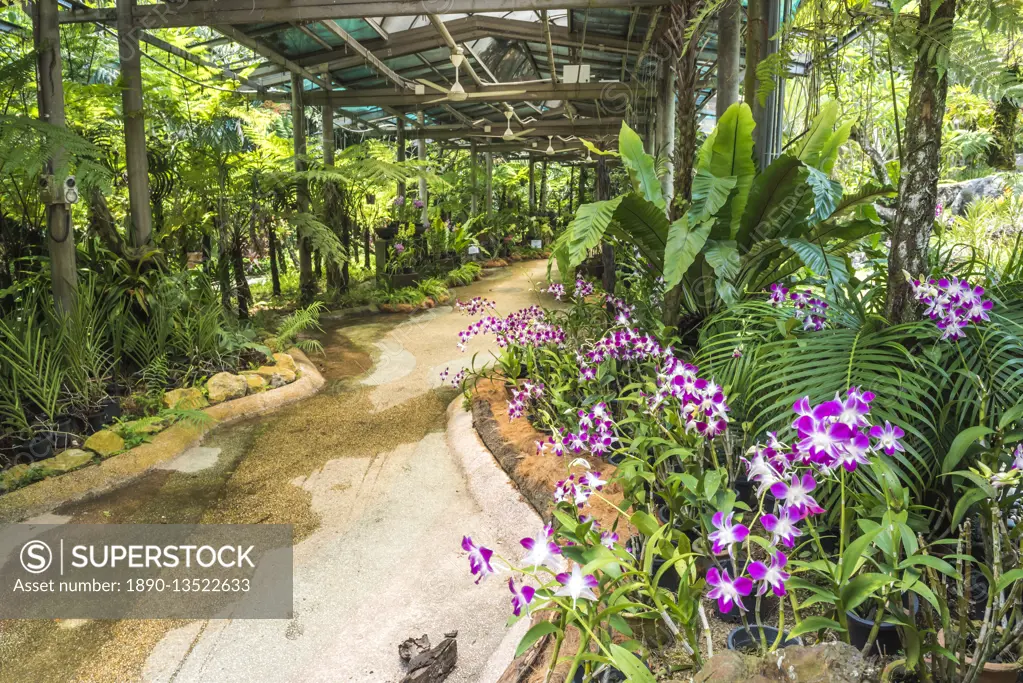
pixel 508 134
pixel 550 144
pixel 457 92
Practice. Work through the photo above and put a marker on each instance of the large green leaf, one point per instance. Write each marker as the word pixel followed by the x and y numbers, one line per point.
pixel 826 193
pixel 829 153
pixel 643 224
pixel 710 192
pixel 723 257
pixel 868 194
pixel 777 194
pixel 684 244
pixel 819 260
pixel 808 148
pixel 588 228
pixel 640 166
pixel 810 624
pixel 728 151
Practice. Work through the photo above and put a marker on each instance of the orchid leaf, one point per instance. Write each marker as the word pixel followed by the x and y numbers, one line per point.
pixel 534 634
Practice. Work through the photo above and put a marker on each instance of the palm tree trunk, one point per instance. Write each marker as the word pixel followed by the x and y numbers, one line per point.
pixel 918 186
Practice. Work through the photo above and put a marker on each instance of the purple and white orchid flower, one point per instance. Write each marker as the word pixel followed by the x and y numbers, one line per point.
pixel 541 550
pixel 479 559
pixel 771 576
pixel 727 591
pixel 521 597
pixel 727 534
pixel 782 526
pixel 887 437
pixel 577 585
pixel 797 493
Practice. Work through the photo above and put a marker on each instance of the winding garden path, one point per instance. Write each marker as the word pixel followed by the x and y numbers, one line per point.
pixel 381 475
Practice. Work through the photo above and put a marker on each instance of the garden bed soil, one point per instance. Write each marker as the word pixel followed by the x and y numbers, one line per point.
pixel 47 494
pixel 513 443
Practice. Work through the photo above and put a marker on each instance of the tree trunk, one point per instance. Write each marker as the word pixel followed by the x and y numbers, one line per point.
pixel 240 283
pixel 60 235
pixel 918 186
pixel 686 73
pixel 275 276
pixel 729 37
pixel 1002 154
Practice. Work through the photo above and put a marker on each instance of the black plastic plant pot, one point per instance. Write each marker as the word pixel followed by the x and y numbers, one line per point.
pixel 39 447
pixel 745 490
pixel 22 457
pixel 669 579
pixel 608 675
pixel 107 411
pixel 887 642
pixel 768 609
pixel 748 638
pixel 66 429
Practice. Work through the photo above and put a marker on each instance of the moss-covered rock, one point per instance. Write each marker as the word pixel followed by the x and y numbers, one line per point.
pixel 16 477
pixel 187 398
pixel 224 386
pixel 104 443
pixel 147 426
pixel 283 360
pixel 276 376
pixel 256 383
pixel 71 459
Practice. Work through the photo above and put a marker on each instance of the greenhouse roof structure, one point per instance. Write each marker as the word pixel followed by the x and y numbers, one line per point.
pixel 548 71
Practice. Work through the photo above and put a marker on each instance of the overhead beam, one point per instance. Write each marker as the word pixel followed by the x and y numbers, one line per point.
pixel 531 92
pixel 162 44
pixel 377 65
pixel 271 54
pixel 234 12
pixel 563 128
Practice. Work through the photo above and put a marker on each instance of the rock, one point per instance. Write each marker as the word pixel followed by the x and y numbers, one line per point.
pixel 433 666
pixel 14 477
pixel 285 361
pixel 825 663
pixel 255 383
pixel 146 426
pixel 955 197
pixel 412 647
pixel 188 398
pixel 71 459
pixel 224 386
pixel 275 376
pixel 105 443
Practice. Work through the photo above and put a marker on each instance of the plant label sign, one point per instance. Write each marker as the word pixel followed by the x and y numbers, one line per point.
pixel 473 251
pixel 535 244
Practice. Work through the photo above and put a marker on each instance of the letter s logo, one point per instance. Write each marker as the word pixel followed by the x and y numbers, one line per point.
pixel 36 557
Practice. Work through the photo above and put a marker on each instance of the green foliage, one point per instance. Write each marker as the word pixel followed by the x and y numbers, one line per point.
pixel 290 327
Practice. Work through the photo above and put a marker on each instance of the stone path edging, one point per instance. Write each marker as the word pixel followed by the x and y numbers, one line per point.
pixel 497 496
pixel 118 470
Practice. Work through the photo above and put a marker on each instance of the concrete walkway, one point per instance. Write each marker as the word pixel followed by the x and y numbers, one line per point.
pixel 384 563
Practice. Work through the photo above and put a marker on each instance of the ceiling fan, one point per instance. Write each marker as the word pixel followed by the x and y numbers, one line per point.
pixel 509 135
pixel 550 146
pixel 457 92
